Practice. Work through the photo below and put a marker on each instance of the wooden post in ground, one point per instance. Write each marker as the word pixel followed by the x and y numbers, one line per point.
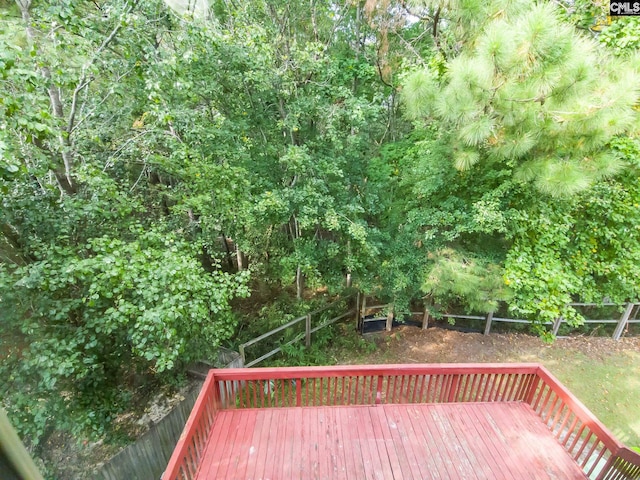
pixel 556 325
pixel 390 317
pixel 425 318
pixel 487 326
pixel 307 332
pixel 623 321
pixel 363 312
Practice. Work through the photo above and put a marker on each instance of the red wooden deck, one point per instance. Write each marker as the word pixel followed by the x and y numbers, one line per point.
pixel 492 421
pixel 478 440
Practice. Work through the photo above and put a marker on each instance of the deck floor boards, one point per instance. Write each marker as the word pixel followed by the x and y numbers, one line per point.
pixel 408 441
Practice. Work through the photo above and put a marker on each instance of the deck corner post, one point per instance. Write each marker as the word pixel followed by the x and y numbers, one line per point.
pixel 606 470
pixel 15 453
pixel 487 326
pixel 530 393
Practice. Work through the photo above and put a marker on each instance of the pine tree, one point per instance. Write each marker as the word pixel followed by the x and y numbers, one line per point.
pixel 533 94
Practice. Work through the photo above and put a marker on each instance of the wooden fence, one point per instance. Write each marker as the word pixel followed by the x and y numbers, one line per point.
pixel 278 338
pixel 581 434
pixel 377 312
pixel 147 458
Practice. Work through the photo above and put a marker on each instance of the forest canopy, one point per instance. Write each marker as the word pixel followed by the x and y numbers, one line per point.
pixel 159 163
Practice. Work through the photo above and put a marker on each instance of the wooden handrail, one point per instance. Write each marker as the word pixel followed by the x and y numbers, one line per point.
pixel 185 459
pixel 582 435
pixel 580 410
pixel 268 373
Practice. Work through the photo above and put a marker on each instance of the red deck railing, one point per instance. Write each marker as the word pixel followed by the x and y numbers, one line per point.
pixel 587 440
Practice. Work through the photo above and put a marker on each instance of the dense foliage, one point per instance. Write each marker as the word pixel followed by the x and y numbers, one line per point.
pixel 157 164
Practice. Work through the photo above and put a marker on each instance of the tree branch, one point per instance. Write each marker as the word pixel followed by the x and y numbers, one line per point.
pixel 84 81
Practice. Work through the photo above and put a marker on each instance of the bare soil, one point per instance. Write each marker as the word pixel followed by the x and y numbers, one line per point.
pixel 407 344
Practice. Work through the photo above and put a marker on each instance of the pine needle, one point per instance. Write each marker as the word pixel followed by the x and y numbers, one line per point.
pixel 465 159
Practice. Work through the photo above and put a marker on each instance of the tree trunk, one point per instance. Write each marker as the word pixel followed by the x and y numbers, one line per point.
pixel 241 259
pixel 14 250
pixel 225 241
pixel 299 283
pixel 63 172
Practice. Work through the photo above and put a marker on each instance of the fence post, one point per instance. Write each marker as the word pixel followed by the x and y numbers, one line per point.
pixel 425 318
pixel 363 313
pixel 307 333
pixel 556 325
pixel 241 350
pixel 390 318
pixel 623 321
pixel 487 326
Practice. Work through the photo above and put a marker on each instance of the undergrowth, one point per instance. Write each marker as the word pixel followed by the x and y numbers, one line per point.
pixel 327 345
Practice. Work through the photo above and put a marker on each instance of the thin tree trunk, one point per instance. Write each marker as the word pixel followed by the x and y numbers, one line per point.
pixel 354 86
pixel 299 274
pixel 227 250
pixel 13 242
pixel 241 259
pixel 299 282
pixel 63 172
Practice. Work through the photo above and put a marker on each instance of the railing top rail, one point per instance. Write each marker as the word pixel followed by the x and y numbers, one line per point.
pixel 629 455
pixel 360 370
pixel 182 447
pixel 580 410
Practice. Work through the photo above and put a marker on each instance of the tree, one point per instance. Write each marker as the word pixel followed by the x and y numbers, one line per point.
pixel 119 206
pixel 535 96
pixel 99 286
pixel 530 112
pixel 297 113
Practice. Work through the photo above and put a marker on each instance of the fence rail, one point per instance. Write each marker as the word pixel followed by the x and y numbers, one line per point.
pixel 147 457
pixel 369 313
pixel 303 335
pixel 589 442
